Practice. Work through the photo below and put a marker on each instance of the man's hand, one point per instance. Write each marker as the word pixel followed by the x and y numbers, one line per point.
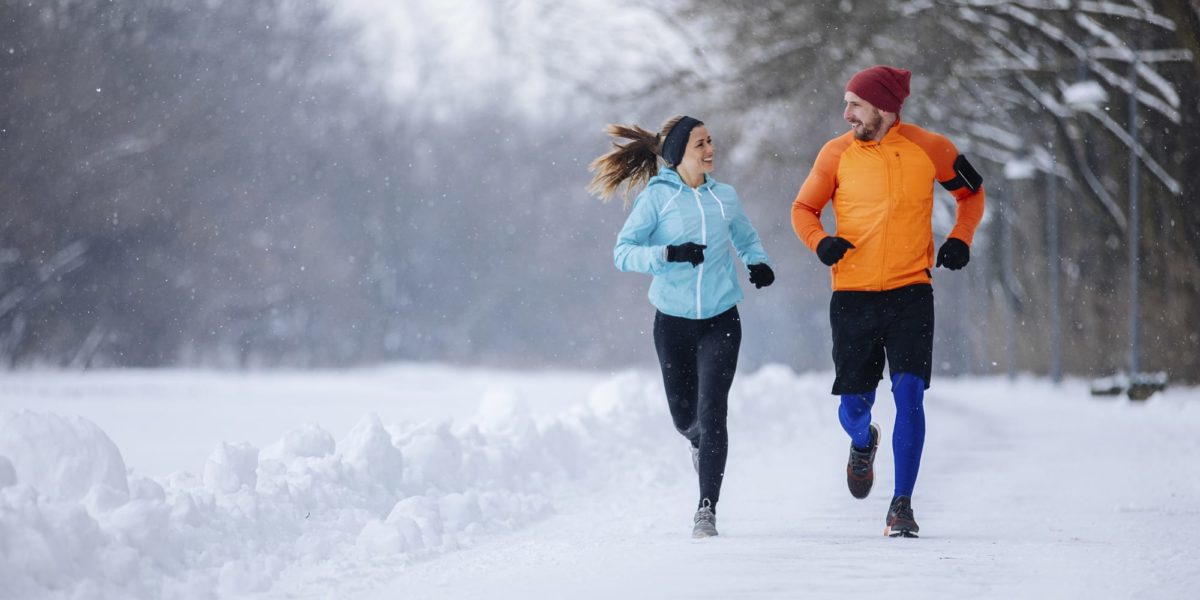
pixel 954 254
pixel 832 249
pixel 686 252
pixel 761 275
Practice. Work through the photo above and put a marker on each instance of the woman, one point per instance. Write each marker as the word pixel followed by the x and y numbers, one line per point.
pixel 680 230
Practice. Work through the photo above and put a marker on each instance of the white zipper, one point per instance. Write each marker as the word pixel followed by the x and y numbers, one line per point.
pixel 703 240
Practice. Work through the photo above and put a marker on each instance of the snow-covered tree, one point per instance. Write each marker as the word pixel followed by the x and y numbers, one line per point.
pixel 1034 90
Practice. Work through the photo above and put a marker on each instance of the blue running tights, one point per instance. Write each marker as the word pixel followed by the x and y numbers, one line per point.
pixel 908 435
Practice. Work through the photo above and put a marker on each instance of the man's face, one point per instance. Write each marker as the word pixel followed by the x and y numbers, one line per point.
pixel 862 116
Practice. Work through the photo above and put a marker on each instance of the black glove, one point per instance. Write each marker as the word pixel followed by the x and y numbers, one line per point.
pixel 761 275
pixel 954 254
pixel 832 249
pixel 686 252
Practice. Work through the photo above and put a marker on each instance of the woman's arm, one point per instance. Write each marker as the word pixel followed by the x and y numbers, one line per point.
pixel 633 251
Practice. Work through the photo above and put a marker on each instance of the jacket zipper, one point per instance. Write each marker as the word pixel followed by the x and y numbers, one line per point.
pixel 703 240
pixel 887 220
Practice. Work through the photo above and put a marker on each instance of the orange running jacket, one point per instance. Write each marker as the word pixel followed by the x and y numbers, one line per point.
pixel 882 196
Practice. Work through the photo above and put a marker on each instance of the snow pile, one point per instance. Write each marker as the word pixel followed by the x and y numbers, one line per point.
pixel 75 524
pixel 50 460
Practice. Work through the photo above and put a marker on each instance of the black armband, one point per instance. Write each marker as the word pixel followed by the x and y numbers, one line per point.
pixel 964 174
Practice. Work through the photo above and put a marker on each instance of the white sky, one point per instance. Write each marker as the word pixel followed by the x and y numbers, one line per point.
pixel 447 55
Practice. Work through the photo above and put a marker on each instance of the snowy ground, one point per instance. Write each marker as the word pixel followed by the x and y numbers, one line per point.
pixel 433 482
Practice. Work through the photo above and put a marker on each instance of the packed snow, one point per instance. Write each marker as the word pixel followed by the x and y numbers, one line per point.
pixel 423 481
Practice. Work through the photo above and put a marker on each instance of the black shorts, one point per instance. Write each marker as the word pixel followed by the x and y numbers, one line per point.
pixel 869 325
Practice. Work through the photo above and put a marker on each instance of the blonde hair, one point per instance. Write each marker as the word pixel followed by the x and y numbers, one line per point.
pixel 632 163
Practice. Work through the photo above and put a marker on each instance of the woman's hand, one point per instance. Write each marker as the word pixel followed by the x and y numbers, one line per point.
pixel 686 252
pixel 761 275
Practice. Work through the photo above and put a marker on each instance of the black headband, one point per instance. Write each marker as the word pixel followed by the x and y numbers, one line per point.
pixel 677 139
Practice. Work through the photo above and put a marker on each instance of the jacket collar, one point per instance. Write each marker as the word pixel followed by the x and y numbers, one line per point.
pixel 671 176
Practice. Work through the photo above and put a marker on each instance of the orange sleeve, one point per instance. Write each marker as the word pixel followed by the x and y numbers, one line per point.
pixel 816 192
pixel 943 154
pixel 970 213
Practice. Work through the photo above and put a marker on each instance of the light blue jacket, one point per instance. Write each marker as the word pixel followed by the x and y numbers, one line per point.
pixel 669 212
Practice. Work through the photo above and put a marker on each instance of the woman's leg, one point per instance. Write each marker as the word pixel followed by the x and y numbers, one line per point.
pixel 675 341
pixel 717 355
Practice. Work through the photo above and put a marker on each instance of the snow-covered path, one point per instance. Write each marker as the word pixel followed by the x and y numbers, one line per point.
pixel 1023 494
pixel 575 485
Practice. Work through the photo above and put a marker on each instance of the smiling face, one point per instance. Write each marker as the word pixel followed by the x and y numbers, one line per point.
pixel 868 122
pixel 697 157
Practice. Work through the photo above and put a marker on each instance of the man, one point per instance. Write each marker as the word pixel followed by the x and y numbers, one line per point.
pixel 880 177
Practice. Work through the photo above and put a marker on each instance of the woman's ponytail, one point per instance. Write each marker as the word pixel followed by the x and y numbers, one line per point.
pixel 632 163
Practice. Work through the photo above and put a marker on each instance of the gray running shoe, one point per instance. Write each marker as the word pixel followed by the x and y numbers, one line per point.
pixel 695 458
pixel 860 468
pixel 900 520
pixel 706 521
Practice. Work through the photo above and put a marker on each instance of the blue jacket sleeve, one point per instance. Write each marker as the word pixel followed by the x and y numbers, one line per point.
pixel 633 251
pixel 745 239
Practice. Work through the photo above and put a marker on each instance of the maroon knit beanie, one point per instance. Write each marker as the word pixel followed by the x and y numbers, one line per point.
pixel 883 86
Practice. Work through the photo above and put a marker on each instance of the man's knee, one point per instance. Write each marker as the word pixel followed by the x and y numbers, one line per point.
pixel 909 390
pixel 859 402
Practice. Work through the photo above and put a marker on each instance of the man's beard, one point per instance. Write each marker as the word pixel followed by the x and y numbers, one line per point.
pixel 870 127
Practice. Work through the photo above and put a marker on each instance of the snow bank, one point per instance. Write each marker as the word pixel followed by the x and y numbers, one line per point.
pixel 75 524
pixel 64 458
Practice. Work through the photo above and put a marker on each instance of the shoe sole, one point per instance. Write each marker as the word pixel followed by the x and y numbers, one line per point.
pixel 899 533
pixel 699 535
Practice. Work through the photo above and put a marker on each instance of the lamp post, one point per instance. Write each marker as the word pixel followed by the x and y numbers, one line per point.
pixel 1016 172
pixel 1053 259
pixel 1135 236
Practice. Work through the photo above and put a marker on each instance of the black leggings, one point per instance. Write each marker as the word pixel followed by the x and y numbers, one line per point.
pixel 698 358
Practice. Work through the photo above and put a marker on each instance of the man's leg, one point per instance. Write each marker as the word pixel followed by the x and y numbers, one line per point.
pixel 909 346
pixel 855 416
pixel 858 355
pixel 908 436
pixel 855 320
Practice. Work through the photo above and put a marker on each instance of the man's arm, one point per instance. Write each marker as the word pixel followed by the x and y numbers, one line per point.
pixel 816 192
pixel 967 188
pixel 958 176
